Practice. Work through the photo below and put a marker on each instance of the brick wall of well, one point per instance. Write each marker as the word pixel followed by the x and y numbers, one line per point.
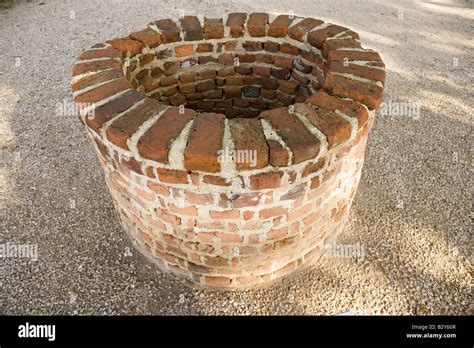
pixel 164 104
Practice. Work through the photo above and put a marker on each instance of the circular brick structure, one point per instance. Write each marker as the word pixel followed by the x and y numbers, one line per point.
pixel 232 147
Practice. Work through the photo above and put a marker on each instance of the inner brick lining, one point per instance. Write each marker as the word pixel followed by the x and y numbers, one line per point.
pixel 234 77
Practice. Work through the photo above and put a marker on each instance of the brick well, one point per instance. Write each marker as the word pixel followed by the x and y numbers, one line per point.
pixel 232 147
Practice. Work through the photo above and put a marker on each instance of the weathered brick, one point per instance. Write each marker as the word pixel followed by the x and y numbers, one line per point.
pixel 192 28
pixel 225 214
pixel 281 74
pixel 279 156
pixel 317 37
pixel 294 133
pixel 127 45
pixel 168 217
pixel 366 72
pixel 104 91
pixel 105 53
pixel 289 49
pixel 311 168
pixel 172 176
pixel 201 152
pixel 279 26
pixel 289 87
pixel 100 77
pixel 365 93
pixel 283 62
pixel 298 30
pixel 272 212
pixel 249 143
pixel 156 141
pixel 335 128
pixel 346 106
pixel 332 45
pixel 361 55
pixel 213 28
pixel 184 50
pixel 257 23
pixel 95 66
pixel 111 109
pixel 148 37
pixel 169 30
pixel 236 23
pixel 125 126
pixel 267 180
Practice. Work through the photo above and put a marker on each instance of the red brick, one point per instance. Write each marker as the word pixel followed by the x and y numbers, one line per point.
pixel 192 28
pixel 335 128
pixel 332 45
pixel 161 190
pixel 229 238
pixel 289 87
pixel 365 93
pixel 111 109
pixel 189 210
pixel 216 180
pixel 104 91
pixel 289 49
pixel 265 180
pixel 272 212
pixel 95 66
pixel 294 133
pixel 100 77
pixel 246 200
pixel 213 28
pixel 156 141
pixel 226 214
pixel 127 45
pixel 236 23
pixel 314 183
pixel 366 72
pixel 184 50
pixel 188 76
pixel 278 233
pixel 105 53
pixel 279 26
pixel 256 24
pixel 252 46
pixel 172 176
pixel 298 30
pixel 217 281
pixel 348 107
pixel 361 55
pixel 311 168
pixel 264 58
pixel 247 134
pixel 317 37
pixel 283 62
pixel 204 47
pixel 279 156
pixel 169 30
pixel 125 126
pixel 148 37
pixel 197 198
pixel 281 74
pixel 170 218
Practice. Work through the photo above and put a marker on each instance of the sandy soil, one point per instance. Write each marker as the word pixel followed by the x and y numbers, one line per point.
pixel 412 214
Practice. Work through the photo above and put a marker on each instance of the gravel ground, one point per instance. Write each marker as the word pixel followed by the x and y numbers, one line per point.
pixel 412 214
